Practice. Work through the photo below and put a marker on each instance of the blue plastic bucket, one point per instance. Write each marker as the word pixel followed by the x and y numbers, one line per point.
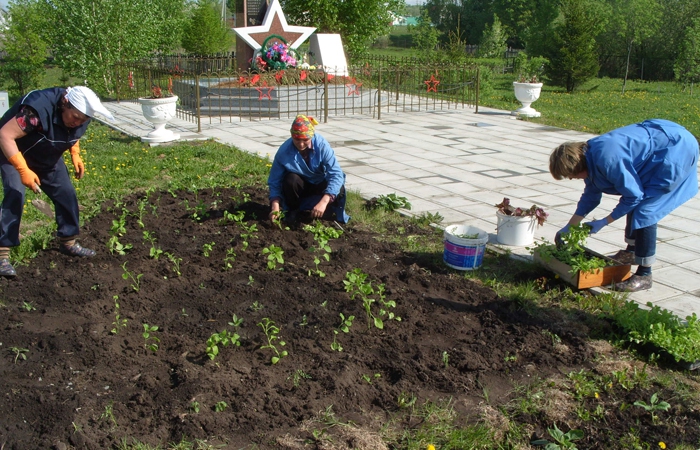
pixel 464 253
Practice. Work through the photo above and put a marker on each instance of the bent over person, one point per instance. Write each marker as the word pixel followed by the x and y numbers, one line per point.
pixel 34 133
pixel 651 166
pixel 306 176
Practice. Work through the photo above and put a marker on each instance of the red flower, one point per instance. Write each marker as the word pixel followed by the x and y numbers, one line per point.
pixel 255 79
pixel 302 75
pixel 279 75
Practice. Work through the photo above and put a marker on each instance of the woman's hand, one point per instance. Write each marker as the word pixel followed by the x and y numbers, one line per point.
pixel 320 207
pixel 274 210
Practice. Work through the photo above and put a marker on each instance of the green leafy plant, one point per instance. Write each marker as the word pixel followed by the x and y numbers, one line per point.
pixel 535 211
pixel 572 251
pixel 256 306
pixel 248 233
pixel 108 414
pixel 661 328
pixel 28 306
pixel 345 324
pixel 278 220
pixel 236 321
pixel 563 440
pixel 114 246
pixel 229 259
pixel 357 285
pixel 406 400
pixel 653 406
pixel 220 406
pixel 207 249
pixel 297 376
pixel 19 353
pixel 119 225
pixel 322 235
pixel 119 322
pixel 274 256
pixel 271 331
pixel 445 359
pixel 223 339
pixel 150 341
pixel 370 378
pixel 154 251
pixel 135 280
pixel 194 406
pixel 529 70
pixel 176 263
pixel 390 202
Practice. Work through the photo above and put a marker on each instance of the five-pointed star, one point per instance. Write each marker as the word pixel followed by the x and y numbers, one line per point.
pixel 266 88
pixel 354 88
pixel 432 83
pixel 274 23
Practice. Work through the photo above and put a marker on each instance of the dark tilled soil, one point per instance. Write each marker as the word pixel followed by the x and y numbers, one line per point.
pixel 82 386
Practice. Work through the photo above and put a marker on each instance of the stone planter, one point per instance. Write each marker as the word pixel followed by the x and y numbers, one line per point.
pixel 159 111
pixel 527 93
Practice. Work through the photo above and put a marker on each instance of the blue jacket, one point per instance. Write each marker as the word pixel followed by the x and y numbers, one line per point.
pixel 651 165
pixel 42 150
pixel 322 166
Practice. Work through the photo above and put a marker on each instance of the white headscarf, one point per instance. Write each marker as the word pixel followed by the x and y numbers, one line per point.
pixel 87 102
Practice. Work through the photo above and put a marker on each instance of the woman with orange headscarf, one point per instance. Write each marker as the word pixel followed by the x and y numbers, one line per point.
pixel 306 176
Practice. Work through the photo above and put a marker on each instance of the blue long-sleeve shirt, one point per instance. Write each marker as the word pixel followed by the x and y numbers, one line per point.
pixel 651 165
pixel 322 166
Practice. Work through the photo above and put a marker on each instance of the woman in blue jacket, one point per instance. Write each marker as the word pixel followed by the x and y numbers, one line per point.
pixel 651 165
pixel 305 175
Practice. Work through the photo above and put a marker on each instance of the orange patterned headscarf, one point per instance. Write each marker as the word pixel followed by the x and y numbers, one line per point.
pixel 303 127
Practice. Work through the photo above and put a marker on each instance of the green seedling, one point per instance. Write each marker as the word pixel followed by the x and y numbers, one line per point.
pixel 297 376
pixel 274 256
pixel 322 235
pixel 271 331
pixel 28 306
pixel 236 321
pixel 357 285
pixel 119 322
pixel 369 378
pixel 207 249
pixel 653 406
pixel 256 306
pixel 150 341
pixel 183 313
pixel 223 339
pixel 119 226
pixel 194 406
pixel 176 263
pixel 278 220
pixel 248 233
pixel 19 353
pixel 229 259
pixel 140 211
pixel 304 321
pixel 563 440
pixel 510 358
pixel 445 359
pixel 220 406
pixel 345 324
pixel 135 280
pixel 406 400
pixel 108 414
pixel 114 246
pixel 154 252
pixel 251 280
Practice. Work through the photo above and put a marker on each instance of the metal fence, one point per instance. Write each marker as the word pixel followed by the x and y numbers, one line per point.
pixel 212 90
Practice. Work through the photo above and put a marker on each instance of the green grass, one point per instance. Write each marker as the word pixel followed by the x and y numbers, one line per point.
pixel 600 106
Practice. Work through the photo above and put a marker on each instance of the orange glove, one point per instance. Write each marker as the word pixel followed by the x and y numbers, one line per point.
pixel 77 160
pixel 29 178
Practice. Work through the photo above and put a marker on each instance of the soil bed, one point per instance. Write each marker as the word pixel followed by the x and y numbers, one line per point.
pixel 76 370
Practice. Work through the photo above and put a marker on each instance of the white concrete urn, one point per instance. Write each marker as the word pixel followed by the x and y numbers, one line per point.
pixel 159 111
pixel 527 93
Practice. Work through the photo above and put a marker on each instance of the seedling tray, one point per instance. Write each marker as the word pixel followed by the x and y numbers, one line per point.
pixel 583 280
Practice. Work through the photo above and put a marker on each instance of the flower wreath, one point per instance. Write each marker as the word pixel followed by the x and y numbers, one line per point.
pixel 275 54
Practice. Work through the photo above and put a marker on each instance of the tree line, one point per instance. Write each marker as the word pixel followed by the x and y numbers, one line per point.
pixel 653 39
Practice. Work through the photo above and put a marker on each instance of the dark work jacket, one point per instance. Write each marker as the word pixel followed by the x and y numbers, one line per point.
pixel 43 149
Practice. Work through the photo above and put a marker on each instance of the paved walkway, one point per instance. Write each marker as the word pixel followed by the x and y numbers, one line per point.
pixel 460 164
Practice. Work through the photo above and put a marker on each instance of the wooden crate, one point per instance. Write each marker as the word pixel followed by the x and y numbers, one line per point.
pixel 583 280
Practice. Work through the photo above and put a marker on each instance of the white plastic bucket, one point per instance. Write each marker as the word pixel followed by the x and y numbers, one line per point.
pixel 462 253
pixel 515 230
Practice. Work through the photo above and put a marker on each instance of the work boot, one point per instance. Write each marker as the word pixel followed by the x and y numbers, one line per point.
pixel 77 250
pixel 6 269
pixel 634 283
pixel 623 257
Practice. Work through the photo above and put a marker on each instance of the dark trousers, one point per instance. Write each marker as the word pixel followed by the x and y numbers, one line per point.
pixel 295 188
pixel 57 186
pixel 644 241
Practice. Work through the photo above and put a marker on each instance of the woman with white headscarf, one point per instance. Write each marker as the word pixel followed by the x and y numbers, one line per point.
pixel 34 134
